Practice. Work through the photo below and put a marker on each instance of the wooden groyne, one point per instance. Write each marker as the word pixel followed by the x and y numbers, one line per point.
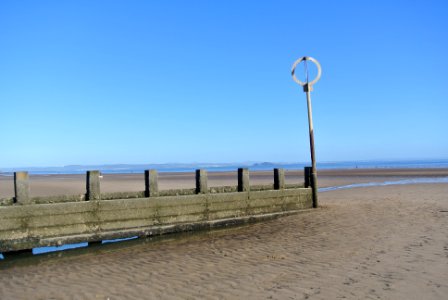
pixel 28 222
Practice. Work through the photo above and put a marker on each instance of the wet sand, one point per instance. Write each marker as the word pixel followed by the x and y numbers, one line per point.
pixel 366 243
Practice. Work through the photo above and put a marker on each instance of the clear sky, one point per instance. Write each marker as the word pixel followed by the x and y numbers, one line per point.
pixel 100 82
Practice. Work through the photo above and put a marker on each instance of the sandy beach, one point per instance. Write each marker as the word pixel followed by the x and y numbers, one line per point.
pixel 51 185
pixel 388 242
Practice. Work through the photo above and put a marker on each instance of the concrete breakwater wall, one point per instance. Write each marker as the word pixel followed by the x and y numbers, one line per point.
pixel 29 222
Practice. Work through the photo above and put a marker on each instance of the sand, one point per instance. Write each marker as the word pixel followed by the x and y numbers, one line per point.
pixel 51 185
pixel 386 242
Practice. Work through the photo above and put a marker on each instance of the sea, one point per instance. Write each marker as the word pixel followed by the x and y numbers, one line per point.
pixel 217 167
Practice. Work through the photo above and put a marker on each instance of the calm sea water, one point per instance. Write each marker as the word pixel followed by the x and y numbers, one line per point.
pixel 128 169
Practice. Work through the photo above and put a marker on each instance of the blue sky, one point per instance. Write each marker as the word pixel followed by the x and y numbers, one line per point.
pixel 102 82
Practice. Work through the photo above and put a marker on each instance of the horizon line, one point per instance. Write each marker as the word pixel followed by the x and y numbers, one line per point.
pixel 224 164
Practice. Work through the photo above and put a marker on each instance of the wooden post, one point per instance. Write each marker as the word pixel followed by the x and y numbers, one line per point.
pixel 22 196
pixel 307 176
pixel 201 182
pixel 93 185
pixel 311 181
pixel 243 180
pixel 279 179
pixel 151 183
pixel 93 192
pixel 22 188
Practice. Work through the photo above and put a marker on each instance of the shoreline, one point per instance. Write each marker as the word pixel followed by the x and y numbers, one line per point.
pixel 72 184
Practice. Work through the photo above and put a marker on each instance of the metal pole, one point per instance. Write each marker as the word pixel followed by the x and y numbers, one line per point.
pixel 307 88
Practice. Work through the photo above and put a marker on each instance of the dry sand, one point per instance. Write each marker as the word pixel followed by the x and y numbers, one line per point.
pixel 365 243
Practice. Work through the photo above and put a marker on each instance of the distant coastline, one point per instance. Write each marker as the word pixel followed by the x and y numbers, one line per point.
pixel 222 167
